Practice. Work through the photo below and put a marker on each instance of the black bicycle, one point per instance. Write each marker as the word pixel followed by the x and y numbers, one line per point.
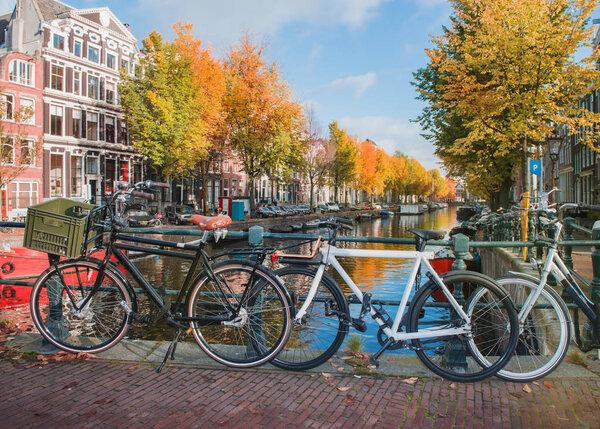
pixel 237 310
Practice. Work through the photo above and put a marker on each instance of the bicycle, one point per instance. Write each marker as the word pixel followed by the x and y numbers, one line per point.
pixel 451 322
pixel 545 324
pixel 237 311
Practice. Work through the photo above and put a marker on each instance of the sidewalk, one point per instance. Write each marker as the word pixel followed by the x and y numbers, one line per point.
pixel 106 394
pixel 120 389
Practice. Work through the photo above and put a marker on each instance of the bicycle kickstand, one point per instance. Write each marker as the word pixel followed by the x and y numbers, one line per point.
pixel 170 350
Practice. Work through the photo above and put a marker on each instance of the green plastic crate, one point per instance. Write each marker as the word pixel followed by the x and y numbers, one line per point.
pixel 62 227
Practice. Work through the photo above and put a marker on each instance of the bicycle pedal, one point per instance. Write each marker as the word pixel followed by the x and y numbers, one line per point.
pixel 359 325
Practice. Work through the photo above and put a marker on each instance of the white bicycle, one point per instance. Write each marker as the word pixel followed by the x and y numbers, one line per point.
pixel 462 325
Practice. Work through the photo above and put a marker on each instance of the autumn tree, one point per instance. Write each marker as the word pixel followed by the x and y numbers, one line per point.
pixel 209 81
pixel 16 153
pixel 368 173
pixel 263 121
pixel 344 166
pixel 500 79
pixel 162 111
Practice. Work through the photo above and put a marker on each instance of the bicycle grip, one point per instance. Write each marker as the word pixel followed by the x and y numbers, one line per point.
pixel 144 195
pixel 343 220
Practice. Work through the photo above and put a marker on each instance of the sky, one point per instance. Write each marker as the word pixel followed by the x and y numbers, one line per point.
pixel 349 60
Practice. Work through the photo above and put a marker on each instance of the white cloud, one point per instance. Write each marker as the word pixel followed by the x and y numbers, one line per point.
pixel 359 84
pixel 393 134
pixel 222 22
pixel 6 6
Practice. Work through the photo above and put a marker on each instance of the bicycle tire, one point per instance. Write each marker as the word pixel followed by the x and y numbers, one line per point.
pixel 96 328
pixel 322 330
pixel 544 336
pixel 493 334
pixel 247 340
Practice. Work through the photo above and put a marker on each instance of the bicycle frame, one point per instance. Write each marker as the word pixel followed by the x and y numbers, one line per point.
pixel 555 265
pixel 329 254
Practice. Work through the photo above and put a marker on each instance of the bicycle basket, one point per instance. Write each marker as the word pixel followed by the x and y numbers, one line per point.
pixel 63 227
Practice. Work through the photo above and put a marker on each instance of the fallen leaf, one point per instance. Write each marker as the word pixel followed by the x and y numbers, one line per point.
pixel 527 389
pixel 235 389
pixel 326 375
pixel 254 411
pixel 516 395
pixel 70 385
pixel 411 380
pixel 340 369
pixel 371 367
pixel 536 383
pixel 334 365
pixel 349 401
pixel 548 384
pixel 133 367
pixel 343 389
pixel 368 383
pixel 232 376
pixel 453 386
pixel 391 360
pixel 443 394
pixel 90 413
pixel 346 357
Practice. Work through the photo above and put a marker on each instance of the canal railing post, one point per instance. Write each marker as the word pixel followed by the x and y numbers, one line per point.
pixel 568 252
pixel 255 235
pixel 455 351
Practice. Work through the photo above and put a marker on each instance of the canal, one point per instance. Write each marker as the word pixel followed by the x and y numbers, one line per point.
pixel 383 278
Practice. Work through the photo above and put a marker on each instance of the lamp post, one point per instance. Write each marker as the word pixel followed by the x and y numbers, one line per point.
pixel 554 142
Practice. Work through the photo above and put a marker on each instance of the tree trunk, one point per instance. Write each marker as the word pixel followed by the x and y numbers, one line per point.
pixel 312 191
pixel 524 169
pixel 251 192
pixel 502 199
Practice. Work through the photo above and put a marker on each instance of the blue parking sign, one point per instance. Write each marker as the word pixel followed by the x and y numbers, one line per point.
pixel 535 166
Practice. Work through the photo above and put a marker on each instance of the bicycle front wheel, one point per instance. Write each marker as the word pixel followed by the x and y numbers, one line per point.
pixel 491 337
pixel 58 314
pixel 242 314
pixel 544 332
pixel 321 331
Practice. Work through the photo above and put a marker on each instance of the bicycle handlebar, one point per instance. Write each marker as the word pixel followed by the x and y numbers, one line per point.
pixel 144 195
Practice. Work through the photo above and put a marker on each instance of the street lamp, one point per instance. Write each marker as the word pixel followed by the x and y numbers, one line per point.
pixel 554 143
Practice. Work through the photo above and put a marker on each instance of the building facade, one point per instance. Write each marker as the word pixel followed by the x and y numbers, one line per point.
pixel 86 148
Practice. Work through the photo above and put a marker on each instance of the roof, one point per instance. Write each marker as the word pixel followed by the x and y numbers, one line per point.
pixel 4 20
pixel 51 9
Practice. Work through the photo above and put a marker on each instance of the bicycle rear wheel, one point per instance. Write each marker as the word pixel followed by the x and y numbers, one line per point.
pixel 492 335
pixel 544 332
pixel 57 314
pixel 244 318
pixel 320 333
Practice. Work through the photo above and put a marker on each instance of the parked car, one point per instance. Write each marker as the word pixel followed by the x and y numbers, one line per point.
pixel 179 214
pixel 264 212
pixel 289 210
pixel 322 207
pixel 278 211
pixel 141 218
pixel 304 209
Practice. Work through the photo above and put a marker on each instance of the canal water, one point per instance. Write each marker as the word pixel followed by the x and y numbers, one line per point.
pixel 385 279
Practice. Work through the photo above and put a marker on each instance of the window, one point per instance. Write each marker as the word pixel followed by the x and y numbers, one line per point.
pixel 8 102
pixel 92 126
pixel 27 111
pixel 93 54
pixel 110 92
pixel 57 74
pixel 76 82
pixel 233 187
pixel 21 72
pixel 56 120
pixel 91 165
pixel 23 194
pixel 123 131
pixel 76 175
pixel 125 65
pixel 109 129
pixel 137 173
pixel 8 152
pixel 59 42
pixel 225 187
pixel 111 61
pixel 93 87
pixel 56 174
pixel 27 152
pixel 77 124
pixel 77 48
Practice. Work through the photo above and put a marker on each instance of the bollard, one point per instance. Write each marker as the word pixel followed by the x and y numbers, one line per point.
pixel 455 351
pixel 568 253
pixel 255 235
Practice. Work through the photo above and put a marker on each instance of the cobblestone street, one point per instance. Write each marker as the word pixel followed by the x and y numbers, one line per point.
pixel 108 394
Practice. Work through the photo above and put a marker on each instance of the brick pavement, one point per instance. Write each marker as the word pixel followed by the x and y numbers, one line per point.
pixel 107 394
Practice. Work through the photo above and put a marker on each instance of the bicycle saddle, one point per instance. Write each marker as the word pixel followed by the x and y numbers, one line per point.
pixel 207 223
pixel 427 234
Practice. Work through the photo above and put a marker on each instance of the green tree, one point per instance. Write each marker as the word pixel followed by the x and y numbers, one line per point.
pixel 345 161
pixel 161 109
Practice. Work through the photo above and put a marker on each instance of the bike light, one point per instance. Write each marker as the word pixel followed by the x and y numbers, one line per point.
pixel 274 257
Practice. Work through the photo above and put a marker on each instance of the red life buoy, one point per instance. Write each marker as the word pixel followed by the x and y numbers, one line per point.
pixel 8 267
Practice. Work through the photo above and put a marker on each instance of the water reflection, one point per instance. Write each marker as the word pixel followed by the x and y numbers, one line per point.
pixel 384 278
